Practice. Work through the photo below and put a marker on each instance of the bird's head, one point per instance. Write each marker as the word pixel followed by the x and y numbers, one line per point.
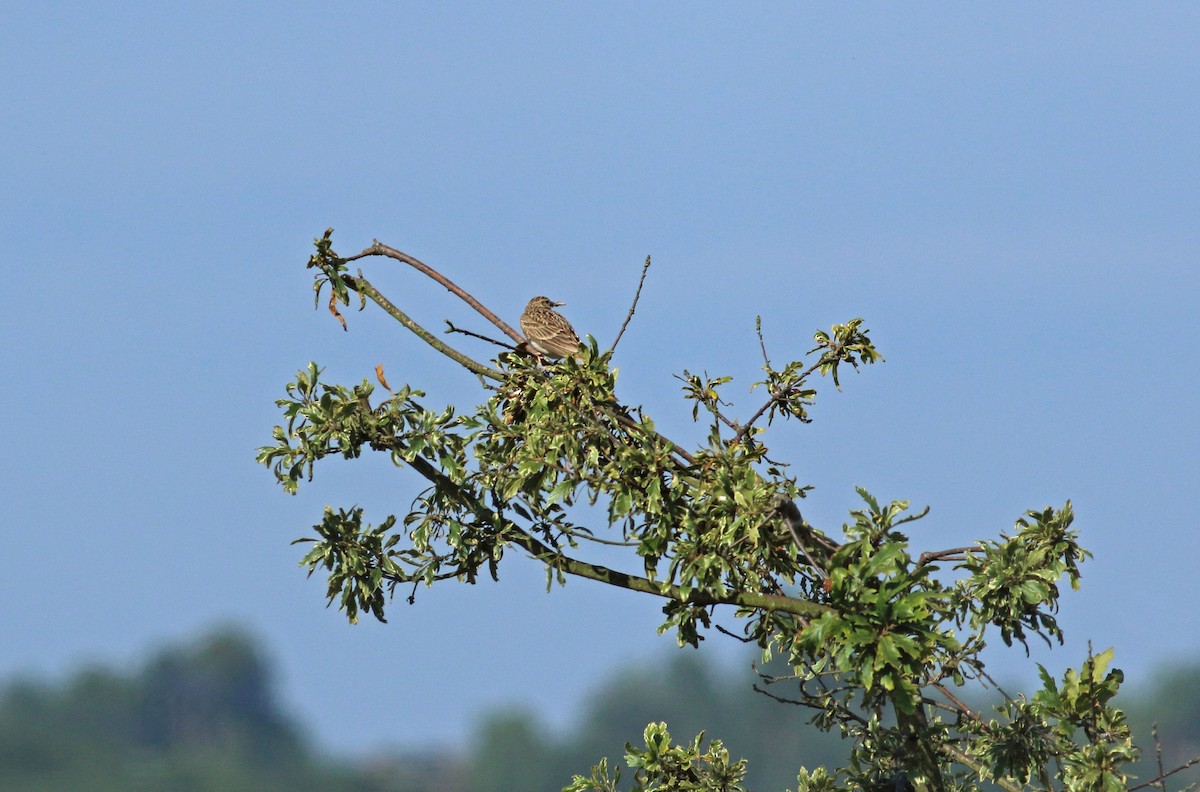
pixel 544 302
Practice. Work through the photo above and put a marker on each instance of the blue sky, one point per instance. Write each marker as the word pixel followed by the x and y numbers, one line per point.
pixel 1007 195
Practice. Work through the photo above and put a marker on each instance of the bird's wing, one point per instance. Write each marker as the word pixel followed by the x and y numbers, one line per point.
pixel 554 329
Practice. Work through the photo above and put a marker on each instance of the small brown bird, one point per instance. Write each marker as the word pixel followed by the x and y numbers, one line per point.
pixel 546 331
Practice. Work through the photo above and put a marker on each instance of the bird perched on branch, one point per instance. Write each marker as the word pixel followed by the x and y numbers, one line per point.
pixel 546 331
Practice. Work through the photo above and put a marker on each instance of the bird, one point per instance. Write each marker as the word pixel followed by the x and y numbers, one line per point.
pixel 546 331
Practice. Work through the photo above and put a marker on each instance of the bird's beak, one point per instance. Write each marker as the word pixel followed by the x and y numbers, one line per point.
pixel 557 304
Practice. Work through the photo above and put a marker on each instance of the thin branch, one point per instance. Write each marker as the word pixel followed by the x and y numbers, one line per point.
pixel 942 706
pixel 963 708
pixel 963 759
pixel 953 554
pixel 1162 776
pixel 781 699
pixel 590 537
pixel 721 417
pixel 843 710
pixel 1158 757
pixel 713 408
pixel 628 422
pixel 762 344
pixel 452 329
pixel 809 672
pixel 363 287
pixel 378 249
pixel 912 517
pixel 637 295
pixel 804 551
pixel 556 560
pixel 776 397
pixel 991 680
pixel 733 635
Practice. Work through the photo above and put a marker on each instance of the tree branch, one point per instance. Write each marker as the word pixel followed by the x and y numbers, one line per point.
pixel 451 328
pixel 556 560
pixel 953 554
pixel 637 295
pixel 796 523
pixel 363 287
pixel 961 707
pixel 628 422
pixel 733 635
pixel 1162 776
pixel 978 767
pixel 378 249
pixel 776 398
pixel 761 343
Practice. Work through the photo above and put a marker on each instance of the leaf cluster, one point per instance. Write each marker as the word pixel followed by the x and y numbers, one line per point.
pixel 662 766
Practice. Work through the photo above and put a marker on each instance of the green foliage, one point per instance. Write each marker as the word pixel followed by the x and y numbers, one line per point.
pixel 1081 704
pixel 1043 733
pixel 1014 582
pixel 553 463
pixel 663 766
pixel 888 622
pixel 844 344
pixel 819 780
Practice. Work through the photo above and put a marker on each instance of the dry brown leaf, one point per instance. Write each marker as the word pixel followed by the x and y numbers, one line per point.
pixel 379 376
pixel 333 310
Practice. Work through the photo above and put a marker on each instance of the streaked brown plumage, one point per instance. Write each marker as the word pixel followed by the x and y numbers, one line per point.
pixel 546 331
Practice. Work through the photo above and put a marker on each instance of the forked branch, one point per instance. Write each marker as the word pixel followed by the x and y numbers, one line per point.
pixel 776 398
pixel 364 287
pixel 379 249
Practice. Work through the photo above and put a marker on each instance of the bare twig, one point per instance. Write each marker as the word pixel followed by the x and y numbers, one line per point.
pixel 963 708
pixel 598 540
pixel 804 551
pixel 912 517
pixel 787 508
pixel 637 295
pixel 1158 757
pixel 842 709
pixel 953 554
pixel 451 328
pixel 363 287
pixel 762 344
pixel 970 762
pixel 1162 776
pixel 984 675
pixel 721 417
pixel 378 249
pixel 733 635
pixel 781 699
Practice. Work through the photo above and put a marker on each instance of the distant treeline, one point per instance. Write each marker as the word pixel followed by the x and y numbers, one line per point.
pixel 204 717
